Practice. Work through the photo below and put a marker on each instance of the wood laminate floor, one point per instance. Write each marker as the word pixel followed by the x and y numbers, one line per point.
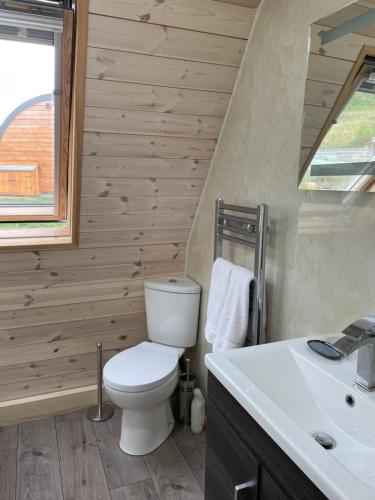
pixel 69 458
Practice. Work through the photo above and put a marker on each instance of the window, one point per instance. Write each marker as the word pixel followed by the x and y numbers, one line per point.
pixel 40 120
pixel 343 157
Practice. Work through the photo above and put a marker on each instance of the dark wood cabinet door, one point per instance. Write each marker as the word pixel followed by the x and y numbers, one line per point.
pixel 228 462
pixel 279 478
pixel 269 489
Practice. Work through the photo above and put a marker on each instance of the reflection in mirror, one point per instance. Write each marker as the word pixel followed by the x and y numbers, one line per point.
pixel 338 139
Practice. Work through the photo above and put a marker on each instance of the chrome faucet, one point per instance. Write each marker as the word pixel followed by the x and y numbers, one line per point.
pixel 359 335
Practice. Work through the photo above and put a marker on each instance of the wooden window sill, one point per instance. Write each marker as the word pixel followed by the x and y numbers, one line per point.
pixel 36 238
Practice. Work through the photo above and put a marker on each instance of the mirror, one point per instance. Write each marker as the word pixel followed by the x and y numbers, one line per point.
pixel 338 138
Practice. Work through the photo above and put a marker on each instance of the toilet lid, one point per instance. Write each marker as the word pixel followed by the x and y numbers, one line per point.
pixel 141 368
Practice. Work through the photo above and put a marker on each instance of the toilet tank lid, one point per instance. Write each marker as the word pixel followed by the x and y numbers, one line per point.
pixel 174 284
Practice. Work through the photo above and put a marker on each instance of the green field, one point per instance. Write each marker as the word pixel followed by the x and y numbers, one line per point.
pixel 31 225
pixel 356 124
pixel 19 200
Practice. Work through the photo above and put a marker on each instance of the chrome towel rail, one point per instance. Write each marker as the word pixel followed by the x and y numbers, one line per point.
pixel 250 230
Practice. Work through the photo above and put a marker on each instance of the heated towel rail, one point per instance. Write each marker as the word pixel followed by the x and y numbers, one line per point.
pixel 246 226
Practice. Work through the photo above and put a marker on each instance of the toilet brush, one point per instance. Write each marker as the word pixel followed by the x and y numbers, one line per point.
pixel 101 412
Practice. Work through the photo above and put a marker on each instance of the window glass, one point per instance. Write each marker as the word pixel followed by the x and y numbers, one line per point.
pixel 345 158
pixel 27 130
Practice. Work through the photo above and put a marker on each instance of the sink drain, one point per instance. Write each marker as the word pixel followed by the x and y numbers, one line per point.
pixel 324 440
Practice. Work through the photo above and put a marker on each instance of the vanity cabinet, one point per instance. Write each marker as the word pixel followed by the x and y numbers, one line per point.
pixel 241 454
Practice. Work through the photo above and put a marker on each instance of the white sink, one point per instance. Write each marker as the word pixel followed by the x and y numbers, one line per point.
pixel 293 393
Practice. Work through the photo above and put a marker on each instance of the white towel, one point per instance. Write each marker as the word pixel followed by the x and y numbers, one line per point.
pixel 220 275
pixel 234 318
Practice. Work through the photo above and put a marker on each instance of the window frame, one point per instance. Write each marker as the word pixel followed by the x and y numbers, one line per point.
pixel 62 99
pixel 341 101
pixel 71 143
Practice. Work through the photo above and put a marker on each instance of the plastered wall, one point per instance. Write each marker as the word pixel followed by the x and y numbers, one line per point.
pixel 321 245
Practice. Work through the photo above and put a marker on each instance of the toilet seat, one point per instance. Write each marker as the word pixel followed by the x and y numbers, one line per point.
pixel 141 368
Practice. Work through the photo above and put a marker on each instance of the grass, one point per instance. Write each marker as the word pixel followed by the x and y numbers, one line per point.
pixel 356 124
pixel 32 225
pixel 19 200
pixel 47 199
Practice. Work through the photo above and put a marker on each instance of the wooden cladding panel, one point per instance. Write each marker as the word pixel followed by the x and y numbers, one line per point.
pixel 141 97
pixel 327 69
pixel 68 330
pixel 150 123
pixel 206 16
pixel 315 116
pixel 28 140
pixel 142 38
pixel 158 84
pixel 126 145
pixel 143 168
pixel 27 317
pixel 111 222
pixel 120 66
pixel 346 14
pixel 60 259
pixel 309 136
pixel 140 205
pixel 108 187
pixel 346 47
pixel 81 345
pixel 366 3
pixel 321 93
pixel 104 282
pixel 136 237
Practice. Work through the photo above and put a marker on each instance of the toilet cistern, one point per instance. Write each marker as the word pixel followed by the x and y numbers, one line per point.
pixel 360 336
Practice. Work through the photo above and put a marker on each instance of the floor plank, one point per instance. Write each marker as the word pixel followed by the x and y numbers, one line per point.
pixel 8 468
pixel 120 469
pixel 71 415
pixel 68 457
pixel 38 475
pixel 195 457
pixel 143 490
pixel 171 475
pixel 183 436
pixel 81 468
pixel 8 437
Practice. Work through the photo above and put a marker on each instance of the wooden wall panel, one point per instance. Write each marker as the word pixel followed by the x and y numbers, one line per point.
pixel 28 140
pixel 158 83
pixel 205 16
pixel 150 123
pixel 120 66
pixel 151 39
pixel 143 168
pixel 144 146
pixel 137 96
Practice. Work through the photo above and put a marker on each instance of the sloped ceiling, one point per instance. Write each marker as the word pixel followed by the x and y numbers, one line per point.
pixel 329 66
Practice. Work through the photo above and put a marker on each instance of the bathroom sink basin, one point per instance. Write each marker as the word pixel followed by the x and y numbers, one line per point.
pixel 293 394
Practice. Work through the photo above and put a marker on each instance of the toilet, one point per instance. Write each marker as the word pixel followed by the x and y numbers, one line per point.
pixel 141 380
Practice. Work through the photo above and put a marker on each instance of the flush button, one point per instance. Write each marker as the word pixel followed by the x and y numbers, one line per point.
pixel 172 281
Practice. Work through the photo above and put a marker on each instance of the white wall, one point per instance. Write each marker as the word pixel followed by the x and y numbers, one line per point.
pixel 321 246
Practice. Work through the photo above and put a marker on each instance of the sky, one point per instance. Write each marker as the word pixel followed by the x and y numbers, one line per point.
pixel 27 71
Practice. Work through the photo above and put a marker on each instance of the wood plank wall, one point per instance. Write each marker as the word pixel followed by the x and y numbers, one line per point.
pixel 329 67
pixel 159 78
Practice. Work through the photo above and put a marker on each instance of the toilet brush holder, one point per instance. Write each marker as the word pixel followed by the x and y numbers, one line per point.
pixel 101 412
pixel 186 388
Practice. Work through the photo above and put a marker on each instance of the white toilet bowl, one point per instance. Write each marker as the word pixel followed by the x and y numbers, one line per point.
pixel 141 381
